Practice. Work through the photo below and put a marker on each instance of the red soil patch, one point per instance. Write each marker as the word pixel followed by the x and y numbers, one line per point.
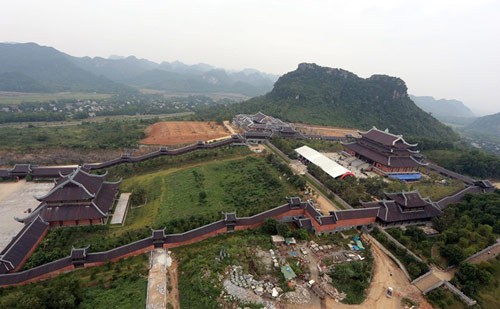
pixel 182 132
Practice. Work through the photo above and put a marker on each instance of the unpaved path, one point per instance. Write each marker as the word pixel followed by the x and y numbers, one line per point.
pixel 386 274
pixel 229 127
pixel 325 204
pixel 173 294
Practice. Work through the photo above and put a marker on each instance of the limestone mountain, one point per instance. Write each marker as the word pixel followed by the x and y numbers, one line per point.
pixel 326 96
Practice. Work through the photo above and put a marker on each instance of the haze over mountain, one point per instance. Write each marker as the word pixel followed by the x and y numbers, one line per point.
pixel 448 111
pixel 487 126
pixel 32 68
pixel 327 96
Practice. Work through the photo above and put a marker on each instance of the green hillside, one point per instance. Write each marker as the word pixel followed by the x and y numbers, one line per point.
pixel 325 96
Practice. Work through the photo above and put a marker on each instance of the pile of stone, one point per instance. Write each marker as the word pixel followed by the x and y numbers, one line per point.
pixel 274 258
pixel 327 287
pixel 317 248
pixel 261 288
pixel 300 296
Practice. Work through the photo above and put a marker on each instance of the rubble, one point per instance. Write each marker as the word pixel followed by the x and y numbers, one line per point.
pixel 300 296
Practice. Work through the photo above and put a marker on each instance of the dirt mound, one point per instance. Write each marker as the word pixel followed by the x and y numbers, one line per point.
pixel 183 132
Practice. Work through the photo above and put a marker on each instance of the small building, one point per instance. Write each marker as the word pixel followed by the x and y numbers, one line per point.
pixel 277 239
pixel 288 272
pixel 262 126
pixel 389 154
pixel 308 155
pixel 78 198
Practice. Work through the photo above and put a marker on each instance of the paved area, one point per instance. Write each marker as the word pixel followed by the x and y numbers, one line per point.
pixel 15 199
pixel 157 280
pixel 121 209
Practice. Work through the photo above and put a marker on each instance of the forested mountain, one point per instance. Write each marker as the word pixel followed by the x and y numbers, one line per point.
pixel 33 68
pixel 485 131
pixel 449 111
pixel 326 96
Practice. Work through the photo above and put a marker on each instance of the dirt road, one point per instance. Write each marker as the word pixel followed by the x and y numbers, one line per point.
pixel 173 294
pixel 386 274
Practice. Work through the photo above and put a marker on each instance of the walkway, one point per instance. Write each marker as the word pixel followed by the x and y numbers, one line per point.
pixel 157 280
pixel 121 209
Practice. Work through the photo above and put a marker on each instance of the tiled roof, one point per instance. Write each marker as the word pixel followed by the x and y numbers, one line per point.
pixel 12 256
pixel 386 138
pixel 408 199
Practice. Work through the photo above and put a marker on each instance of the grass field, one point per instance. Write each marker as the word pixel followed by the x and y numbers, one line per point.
pixel 248 186
pixel 19 97
pixel 118 285
pixel 435 191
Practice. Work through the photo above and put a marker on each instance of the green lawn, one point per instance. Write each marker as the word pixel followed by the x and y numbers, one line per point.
pixel 118 285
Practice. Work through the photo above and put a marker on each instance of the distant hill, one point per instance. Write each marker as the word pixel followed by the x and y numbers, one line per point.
pixel 326 96
pixel 177 76
pixel 486 128
pixel 29 67
pixel 448 111
pixel 33 68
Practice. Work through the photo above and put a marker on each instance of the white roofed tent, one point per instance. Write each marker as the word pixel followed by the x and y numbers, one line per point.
pixel 329 166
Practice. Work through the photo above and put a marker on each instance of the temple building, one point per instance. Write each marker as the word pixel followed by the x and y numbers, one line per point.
pixel 389 154
pixel 78 198
pixel 260 124
pixel 404 208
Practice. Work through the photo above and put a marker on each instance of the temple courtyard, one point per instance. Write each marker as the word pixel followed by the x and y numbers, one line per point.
pixel 15 200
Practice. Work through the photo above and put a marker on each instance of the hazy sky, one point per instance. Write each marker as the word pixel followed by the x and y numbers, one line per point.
pixel 443 48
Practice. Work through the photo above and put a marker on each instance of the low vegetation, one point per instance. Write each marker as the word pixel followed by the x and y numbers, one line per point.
pixel 354 278
pixel 200 265
pixel 103 135
pixel 481 282
pixel 475 163
pixel 442 298
pixel 469 226
pixel 118 285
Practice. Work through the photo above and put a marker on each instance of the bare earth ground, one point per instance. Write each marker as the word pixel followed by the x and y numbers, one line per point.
pixel 323 130
pixel 183 132
pixel 497 185
pixel 230 128
pixel 15 199
pixel 173 294
pixel 386 274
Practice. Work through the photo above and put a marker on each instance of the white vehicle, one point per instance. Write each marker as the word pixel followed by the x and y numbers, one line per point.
pixel 389 292
pixel 303 250
pixel 310 283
